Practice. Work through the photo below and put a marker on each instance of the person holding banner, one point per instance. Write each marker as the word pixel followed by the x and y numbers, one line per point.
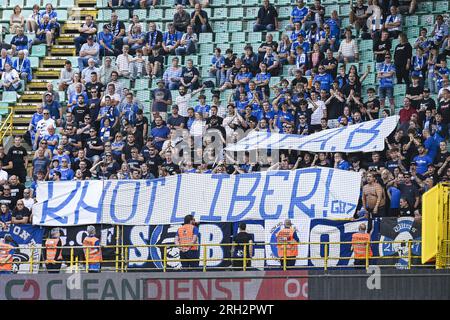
pixel 287 244
pixel 92 251
pixel 52 252
pixel 187 240
pixel 6 254
pixel 361 246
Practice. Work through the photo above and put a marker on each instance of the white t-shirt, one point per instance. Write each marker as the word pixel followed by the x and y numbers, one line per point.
pixel 3 175
pixel 43 125
pixel 317 115
pixel 28 203
pixel 183 104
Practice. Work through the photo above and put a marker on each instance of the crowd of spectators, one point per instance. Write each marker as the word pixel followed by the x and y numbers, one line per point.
pixel 103 133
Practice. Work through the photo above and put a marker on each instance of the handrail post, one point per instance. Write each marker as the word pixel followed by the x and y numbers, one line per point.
pixel 205 251
pixel 245 258
pixel 117 248
pixel 126 258
pixel 71 259
pixel 87 259
pixel 367 255
pixel 409 254
pixel 284 256
pixel 165 258
pixel 326 256
pixel 11 121
pixel 31 261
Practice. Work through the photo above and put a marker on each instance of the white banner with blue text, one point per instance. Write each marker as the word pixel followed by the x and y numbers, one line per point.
pixel 305 193
pixel 364 137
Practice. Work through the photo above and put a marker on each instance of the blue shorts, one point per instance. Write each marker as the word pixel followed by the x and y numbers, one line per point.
pixel 386 92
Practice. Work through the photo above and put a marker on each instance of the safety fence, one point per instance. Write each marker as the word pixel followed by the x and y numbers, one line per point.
pixel 6 125
pixel 77 258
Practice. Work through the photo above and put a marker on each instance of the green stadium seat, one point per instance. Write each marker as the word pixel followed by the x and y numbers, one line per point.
pixel 412 32
pixel 251 12
pixel 205 60
pixel 234 3
pixel 275 34
pixel 143 95
pixel 62 96
pixel 194 59
pixel 38 50
pixel 122 14
pixel 427 20
pixel 104 15
pixel 141 84
pixel 204 72
pixel 284 12
pixel 426 6
pixel 235 26
pixel 13 3
pixel 366 55
pixel 8 38
pixel 220 13
pixel 237 37
pixel 66 4
pixel 344 10
pixel 169 13
pixel 254 37
pixel 205 38
pixel 34 62
pixel 411 21
pixel 251 2
pixel 126 83
pixel 220 26
pixel 236 13
pixel 9 96
pixel 329 9
pixel 222 37
pixel 62 15
pixel 284 2
pixel 156 14
pixel 102 3
pixel 31 3
pixel 141 13
pixel 239 48
pixel 146 107
pixel 207 48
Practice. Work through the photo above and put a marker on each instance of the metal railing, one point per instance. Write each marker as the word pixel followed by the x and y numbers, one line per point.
pixel 118 258
pixel 6 126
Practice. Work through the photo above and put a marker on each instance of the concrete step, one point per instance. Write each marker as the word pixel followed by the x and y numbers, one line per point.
pixel 36 85
pixel 47 73
pixel 66 50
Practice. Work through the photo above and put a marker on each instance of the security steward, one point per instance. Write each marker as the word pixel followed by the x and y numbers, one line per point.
pixel 6 254
pixel 53 252
pixel 287 244
pixel 92 251
pixel 360 241
pixel 187 241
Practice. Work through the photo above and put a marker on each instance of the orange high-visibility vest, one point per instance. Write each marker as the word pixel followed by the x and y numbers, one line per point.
pixel 186 236
pixel 4 252
pixel 359 249
pixel 50 246
pixel 286 236
pixel 95 254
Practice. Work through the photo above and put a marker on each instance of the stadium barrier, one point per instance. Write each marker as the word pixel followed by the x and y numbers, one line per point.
pixel 121 261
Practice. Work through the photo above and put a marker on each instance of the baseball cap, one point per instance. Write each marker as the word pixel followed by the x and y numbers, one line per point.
pixel 160 80
pixel 426 90
pixel 90 38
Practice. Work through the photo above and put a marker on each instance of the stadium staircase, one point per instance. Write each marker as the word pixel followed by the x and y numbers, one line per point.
pixel 231 20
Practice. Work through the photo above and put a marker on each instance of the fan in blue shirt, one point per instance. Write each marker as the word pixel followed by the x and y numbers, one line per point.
pixel 422 160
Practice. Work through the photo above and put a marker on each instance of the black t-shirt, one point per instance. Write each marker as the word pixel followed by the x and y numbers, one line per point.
pixel 371 105
pixel 405 212
pixel 267 16
pixel 16 154
pixel 429 103
pixel 327 62
pixel 301 80
pixel 76 164
pixel 139 134
pixel 171 168
pixel 379 45
pixel 5 160
pixel 17 191
pixel 10 201
pixel 335 108
pixel 127 149
pixel 273 44
pixel 348 87
pixel 95 142
pixel 240 239
pixel 19 214
pixel 409 192
pixel 403 52
pixel 175 121
pixel 134 163
pixel 444 108
pixel 98 85
pixel 188 74
pixel 153 163
pixel 415 91
pixel 79 111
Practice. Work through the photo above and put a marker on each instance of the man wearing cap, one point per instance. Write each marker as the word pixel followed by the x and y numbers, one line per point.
pixel 287 244
pixel 105 40
pixel 89 50
pixel 6 254
pixel 52 255
pixel 92 251
pixel 88 28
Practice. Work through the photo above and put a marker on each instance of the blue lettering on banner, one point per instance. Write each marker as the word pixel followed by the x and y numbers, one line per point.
pixel 125 206
pixel 250 198
pixel 370 131
pixel 268 192
pixel 325 138
pixel 340 207
pixel 154 183
pixel 48 212
pixel 81 204
pixel 250 143
pixel 211 217
pixel 327 192
pixel 174 219
pixel 299 201
pixel 279 141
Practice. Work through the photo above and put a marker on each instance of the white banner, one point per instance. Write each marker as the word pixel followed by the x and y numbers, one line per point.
pixel 365 137
pixel 306 193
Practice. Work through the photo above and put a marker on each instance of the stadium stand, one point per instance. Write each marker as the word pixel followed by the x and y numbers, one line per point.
pixel 340 50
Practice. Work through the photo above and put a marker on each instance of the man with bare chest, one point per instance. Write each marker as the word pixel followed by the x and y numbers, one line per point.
pixel 373 196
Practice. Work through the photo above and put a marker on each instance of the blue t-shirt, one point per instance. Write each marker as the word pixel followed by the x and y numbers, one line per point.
pixel 171 38
pixel 422 163
pixel 202 109
pixel 66 174
pixel 298 14
pixel 389 81
pixel 395 197
pixel 326 80
pixel 162 132
pixel 343 165
pixel 107 38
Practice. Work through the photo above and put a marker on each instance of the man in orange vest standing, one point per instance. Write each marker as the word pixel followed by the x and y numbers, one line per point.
pixel 287 244
pixel 53 252
pixel 6 254
pixel 187 240
pixel 361 246
pixel 92 250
